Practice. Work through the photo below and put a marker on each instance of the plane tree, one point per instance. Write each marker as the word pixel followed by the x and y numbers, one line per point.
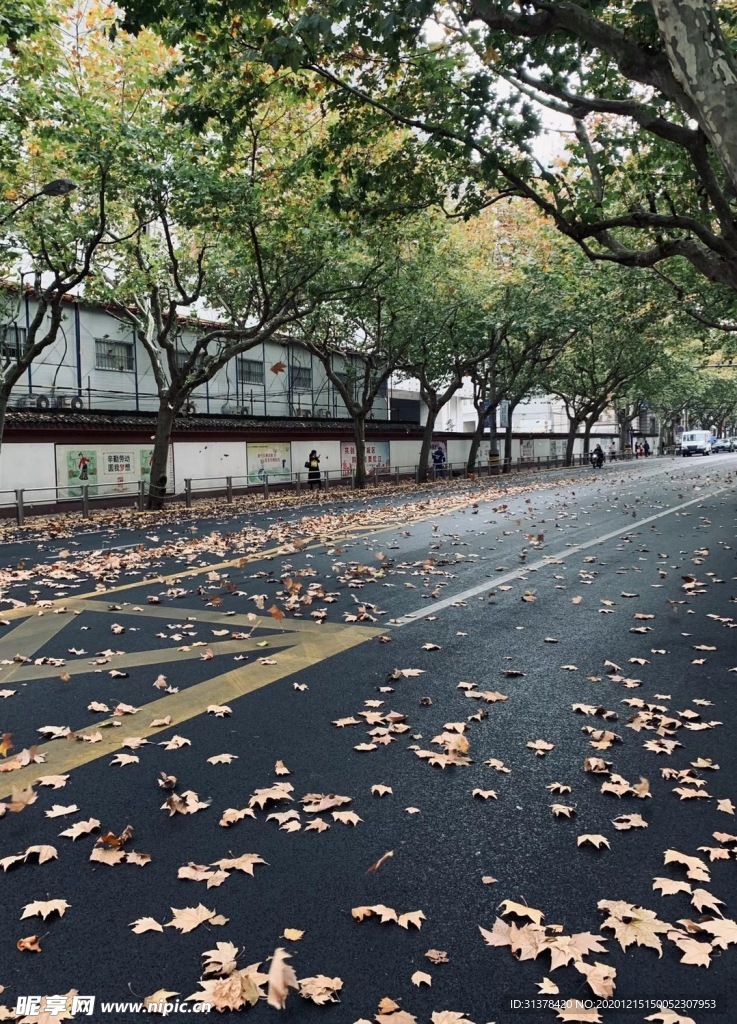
pixel 645 89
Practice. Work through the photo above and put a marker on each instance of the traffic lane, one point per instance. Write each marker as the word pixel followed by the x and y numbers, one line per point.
pixel 191 535
pixel 430 580
pixel 85 538
pixel 462 839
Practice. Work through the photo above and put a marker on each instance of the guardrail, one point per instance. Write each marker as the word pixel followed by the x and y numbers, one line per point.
pixel 82 496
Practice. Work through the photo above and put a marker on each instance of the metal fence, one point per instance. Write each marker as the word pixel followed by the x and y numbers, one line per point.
pixel 82 497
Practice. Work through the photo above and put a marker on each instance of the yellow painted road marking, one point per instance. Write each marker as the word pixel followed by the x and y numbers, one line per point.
pixel 311 648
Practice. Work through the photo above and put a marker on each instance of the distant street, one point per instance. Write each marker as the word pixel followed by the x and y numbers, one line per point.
pixel 362 731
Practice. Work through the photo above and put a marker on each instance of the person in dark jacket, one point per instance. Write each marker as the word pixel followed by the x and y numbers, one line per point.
pixel 313 470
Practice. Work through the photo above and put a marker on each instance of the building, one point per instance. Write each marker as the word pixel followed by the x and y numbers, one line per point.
pixel 98 363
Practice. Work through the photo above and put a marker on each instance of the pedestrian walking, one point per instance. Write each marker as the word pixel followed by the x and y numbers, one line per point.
pixel 313 470
pixel 438 461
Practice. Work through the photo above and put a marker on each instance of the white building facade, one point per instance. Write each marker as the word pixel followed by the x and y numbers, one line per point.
pixel 98 363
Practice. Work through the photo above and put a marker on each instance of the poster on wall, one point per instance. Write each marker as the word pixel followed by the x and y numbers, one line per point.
pixel 272 460
pixel 114 469
pixel 81 468
pixel 377 456
pixel 526 450
pixel 118 469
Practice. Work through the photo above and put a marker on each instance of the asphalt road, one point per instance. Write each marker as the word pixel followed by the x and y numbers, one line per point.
pixel 543 596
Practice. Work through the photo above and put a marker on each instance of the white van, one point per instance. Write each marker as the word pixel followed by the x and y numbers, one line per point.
pixel 696 442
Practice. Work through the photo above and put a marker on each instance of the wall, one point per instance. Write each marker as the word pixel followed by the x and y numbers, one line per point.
pixel 193 459
pixel 27 465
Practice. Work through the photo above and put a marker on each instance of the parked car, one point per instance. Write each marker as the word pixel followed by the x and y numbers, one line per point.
pixel 724 444
pixel 696 442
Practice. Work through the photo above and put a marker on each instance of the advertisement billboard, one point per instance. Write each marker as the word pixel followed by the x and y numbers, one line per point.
pixel 377 456
pixel 273 460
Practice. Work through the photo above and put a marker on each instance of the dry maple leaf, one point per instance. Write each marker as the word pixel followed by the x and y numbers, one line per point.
pixel 437 956
pixel 546 987
pixel 292 934
pixel 696 953
pixel 449 1017
pixel 320 989
pixel 576 1011
pixel 222 759
pixel 29 944
pixel 628 821
pixel 58 811
pixel 377 864
pixel 484 794
pixel 221 960
pixel 521 910
pixel 281 979
pixel 704 900
pixel 669 887
pixel 219 710
pixel 43 908
pixel 246 863
pixel 595 840
pixel 44 853
pixel 415 917
pixel 723 932
pixel 381 790
pixel 670 1017
pixel 600 977
pixel 541 747
pixel 231 815
pixel 695 867
pixel 55 781
pixel 186 919
pixel 106 856
pixel 81 828
pixel 346 817
pixel 279 791
pixel 20 799
pixel 145 924
pixel 420 978
pixel 633 924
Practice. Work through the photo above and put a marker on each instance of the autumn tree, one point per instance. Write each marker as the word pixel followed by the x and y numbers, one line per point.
pixel 619 337
pixel 58 185
pixel 363 336
pixel 646 89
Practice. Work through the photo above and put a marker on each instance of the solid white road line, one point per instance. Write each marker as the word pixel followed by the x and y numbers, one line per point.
pixel 434 607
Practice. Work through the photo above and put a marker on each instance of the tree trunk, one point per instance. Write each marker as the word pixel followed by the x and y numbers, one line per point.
pixel 478 436
pixel 426 446
pixel 623 438
pixel 704 67
pixel 493 440
pixel 162 439
pixel 508 438
pixel 588 424
pixel 359 432
pixel 571 440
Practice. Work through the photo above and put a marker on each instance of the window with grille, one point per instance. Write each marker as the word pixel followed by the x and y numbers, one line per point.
pixel 181 358
pixel 12 340
pixel 250 371
pixel 113 355
pixel 301 378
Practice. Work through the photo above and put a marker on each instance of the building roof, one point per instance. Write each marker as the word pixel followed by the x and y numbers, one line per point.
pixel 63 424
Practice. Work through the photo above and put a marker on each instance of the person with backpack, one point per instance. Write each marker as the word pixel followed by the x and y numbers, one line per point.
pixel 313 470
